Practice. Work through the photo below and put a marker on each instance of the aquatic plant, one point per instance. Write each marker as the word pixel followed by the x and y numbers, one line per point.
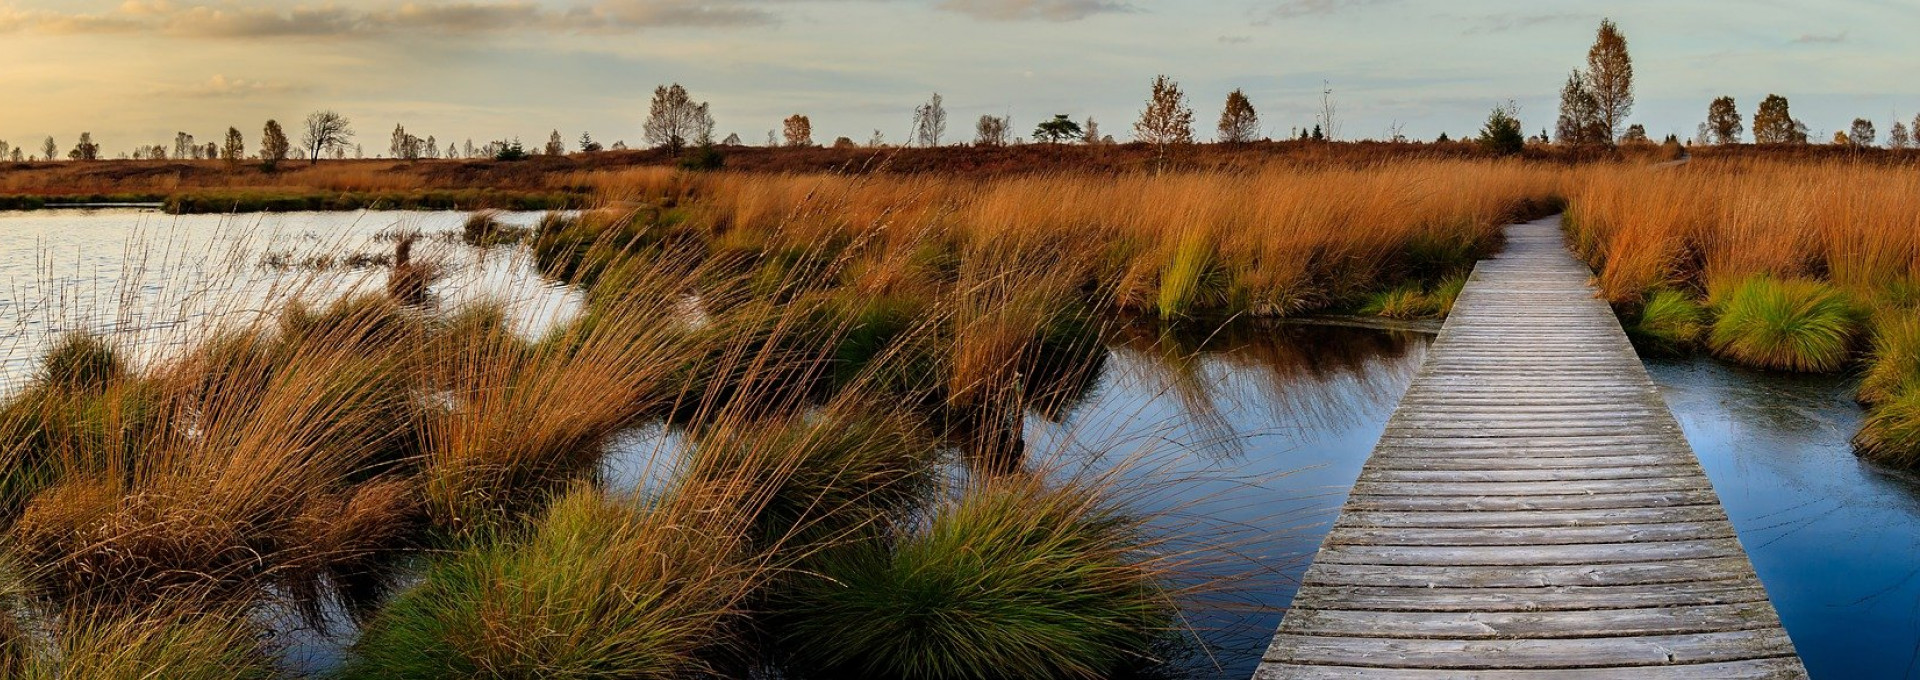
pixel 1891 433
pixel 1445 293
pixel 1669 322
pixel 1893 365
pixel 596 588
pixel 1407 302
pixel 187 647
pixel 1012 580
pixel 853 466
pixel 1792 325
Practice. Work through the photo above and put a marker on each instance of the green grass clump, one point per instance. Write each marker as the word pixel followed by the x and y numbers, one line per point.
pixel 824 475
pixel 1014 580
pixel 1791 325
pixel 1893 366
pixel 1670 322
pixel 1891 433
pixel 1407 302
pixel 1446 293
pixel 1193 281
pixel 138 648
pixel 597 589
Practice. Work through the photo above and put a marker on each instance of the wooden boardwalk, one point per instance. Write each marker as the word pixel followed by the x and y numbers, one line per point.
pixel 1531 511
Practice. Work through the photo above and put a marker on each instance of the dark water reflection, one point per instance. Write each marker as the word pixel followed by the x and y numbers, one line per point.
pixel 1835 540
pixel 1247 438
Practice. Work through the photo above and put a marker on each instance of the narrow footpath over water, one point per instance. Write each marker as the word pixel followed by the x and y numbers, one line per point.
pixel 1532 510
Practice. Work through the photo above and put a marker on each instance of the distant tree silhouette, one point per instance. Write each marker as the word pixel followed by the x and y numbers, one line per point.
pixel 273 145
pixel 6 150
pixel 1058 130
pixel 49 149
pixel 1897 136
pixel 797 130
pixel 1636 134
pixel 325 131
pixel 675 121
pixel 1579 121
pixel 1773 123
pixel 235 149
pixel 1723 121
pixel 1090 132
pixel 587 145
pixel 555 145
pixel 1239 123
pixel 85 149
pixel 1861 133
pixel 1610 75
pixel 990 131
pixel 1501 134
pixel 930 122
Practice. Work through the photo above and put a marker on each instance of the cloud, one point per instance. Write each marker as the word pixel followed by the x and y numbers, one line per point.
pixel 463 17
pixel 1503 24
pixel 1821 38
pixel 1294 9
pixel 1023 10
pixel 1235 39
pixel 221 86
pixel 630 14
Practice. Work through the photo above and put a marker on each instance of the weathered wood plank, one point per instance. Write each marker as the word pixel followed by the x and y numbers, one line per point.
pixel 1647 650
pixel 1780 668
pixel 1705 618
pixel 1558 598
pixel 1532 510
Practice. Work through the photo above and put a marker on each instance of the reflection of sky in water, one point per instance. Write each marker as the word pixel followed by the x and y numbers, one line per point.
pixel 1249 442
pixel 1836 541
pixel 155 280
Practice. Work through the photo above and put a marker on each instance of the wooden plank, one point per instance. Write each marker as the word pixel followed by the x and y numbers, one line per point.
pixel 1532 510
pixel 1781 668
pixel 1646 650
pixel 1703 618
pixel 1556 598
pixel 1532 518
pixel 1422 576
pixel 1349 534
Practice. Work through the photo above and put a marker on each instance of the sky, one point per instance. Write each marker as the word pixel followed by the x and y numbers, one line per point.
pixel 135 72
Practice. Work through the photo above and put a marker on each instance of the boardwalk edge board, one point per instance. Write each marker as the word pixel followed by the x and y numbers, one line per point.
pixel 1532 510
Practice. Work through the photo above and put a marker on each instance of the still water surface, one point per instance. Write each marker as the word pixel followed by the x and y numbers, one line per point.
pixel 1250 435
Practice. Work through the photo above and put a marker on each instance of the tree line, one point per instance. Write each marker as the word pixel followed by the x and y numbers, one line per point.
pixel 1595 104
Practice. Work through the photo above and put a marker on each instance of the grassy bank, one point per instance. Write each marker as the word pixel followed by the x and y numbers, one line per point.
pixel 1795 266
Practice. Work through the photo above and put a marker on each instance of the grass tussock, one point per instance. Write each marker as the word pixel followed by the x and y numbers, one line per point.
pixel 595 588
pixel 1669 322
pixel 1788 325
pixel 1012 580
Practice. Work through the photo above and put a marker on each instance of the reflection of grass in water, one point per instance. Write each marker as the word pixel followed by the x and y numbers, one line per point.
pixel 1313 378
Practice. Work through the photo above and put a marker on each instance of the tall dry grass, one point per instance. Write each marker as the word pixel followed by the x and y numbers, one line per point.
pixel 1796 262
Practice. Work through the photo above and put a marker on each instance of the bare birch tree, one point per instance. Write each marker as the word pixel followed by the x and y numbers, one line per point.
pixel 929 122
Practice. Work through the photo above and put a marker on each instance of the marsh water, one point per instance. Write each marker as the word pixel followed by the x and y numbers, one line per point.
pixel 1245 437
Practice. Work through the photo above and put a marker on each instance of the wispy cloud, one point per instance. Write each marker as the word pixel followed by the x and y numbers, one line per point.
pixel 221 86
pixel 1503 24
pixel 1273 12
pixel 1821 38
pixel 1021 10
pixel 1235 39
pixel 466 17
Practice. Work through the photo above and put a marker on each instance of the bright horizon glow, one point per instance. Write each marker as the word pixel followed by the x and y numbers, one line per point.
pixel 135 72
